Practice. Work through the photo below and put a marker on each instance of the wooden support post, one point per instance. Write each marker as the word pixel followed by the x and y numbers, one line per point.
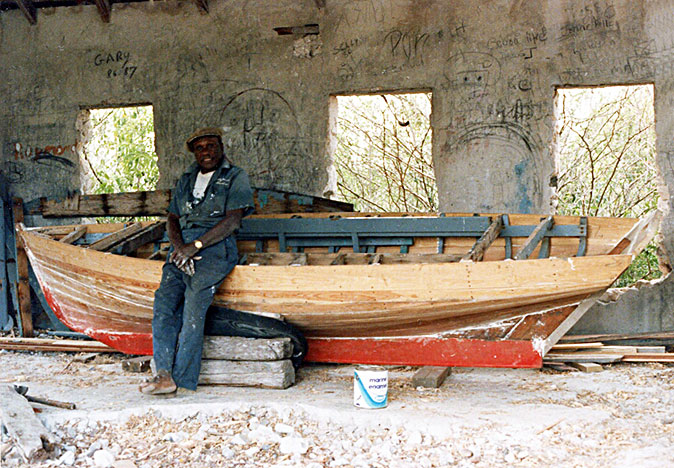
pixel 23 281
pixel 28 9
pixel 476 253
pixel 430 376
pixel 104 9
pixel 4 306
pixel 534 238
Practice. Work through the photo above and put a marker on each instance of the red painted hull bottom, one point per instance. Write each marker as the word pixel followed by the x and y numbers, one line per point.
pixel 412 351
pixel 409 351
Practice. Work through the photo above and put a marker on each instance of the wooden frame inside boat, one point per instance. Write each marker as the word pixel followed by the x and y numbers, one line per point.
pixel 364 288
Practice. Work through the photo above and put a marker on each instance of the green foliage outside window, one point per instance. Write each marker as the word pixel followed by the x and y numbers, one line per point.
pixel 120 152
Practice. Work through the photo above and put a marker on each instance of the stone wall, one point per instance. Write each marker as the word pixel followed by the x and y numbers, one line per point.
pixel 492 67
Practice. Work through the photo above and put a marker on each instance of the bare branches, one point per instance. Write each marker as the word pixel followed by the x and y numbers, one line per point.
pixel 606 152
pixel 383 157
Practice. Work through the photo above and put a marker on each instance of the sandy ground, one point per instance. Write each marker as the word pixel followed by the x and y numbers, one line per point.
pixel 620 417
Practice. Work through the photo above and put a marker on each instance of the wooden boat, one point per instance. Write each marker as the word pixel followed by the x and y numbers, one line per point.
pixel 448 289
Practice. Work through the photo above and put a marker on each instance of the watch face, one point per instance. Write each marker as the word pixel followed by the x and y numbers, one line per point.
pixel 198 244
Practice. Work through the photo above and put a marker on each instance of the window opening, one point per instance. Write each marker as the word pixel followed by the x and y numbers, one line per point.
pixel 383 157
pixel 605 159
pixel 118 150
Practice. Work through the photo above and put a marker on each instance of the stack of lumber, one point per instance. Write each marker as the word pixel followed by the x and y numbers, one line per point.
pixel 43 344
pixel 588 355
pixel 255 362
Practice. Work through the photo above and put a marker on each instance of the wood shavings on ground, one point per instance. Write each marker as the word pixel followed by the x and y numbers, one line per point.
pixel 622 416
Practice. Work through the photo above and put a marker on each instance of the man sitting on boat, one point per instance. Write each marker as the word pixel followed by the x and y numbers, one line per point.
pixel 206 208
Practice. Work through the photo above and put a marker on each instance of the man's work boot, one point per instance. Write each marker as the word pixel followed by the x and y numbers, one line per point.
pixel 161 384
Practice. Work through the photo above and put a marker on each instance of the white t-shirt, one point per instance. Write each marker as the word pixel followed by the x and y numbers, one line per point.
pixel 201 183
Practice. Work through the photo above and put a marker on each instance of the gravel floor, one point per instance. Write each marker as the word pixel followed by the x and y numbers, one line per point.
pixel 621 417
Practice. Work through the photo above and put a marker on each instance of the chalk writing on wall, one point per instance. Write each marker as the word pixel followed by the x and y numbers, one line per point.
pixel 597 17
pixel 116 64
pixel 261 130
pixel 473 72
pixel 29 158
pixel 191 68
pixel 358 12
pixel 407 44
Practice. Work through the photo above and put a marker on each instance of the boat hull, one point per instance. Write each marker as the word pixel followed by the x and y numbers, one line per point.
pixel 414 314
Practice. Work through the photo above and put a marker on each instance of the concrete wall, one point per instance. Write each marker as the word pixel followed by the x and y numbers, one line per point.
pixel 492 67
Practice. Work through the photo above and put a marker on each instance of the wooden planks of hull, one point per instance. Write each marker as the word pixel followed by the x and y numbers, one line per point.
pixel 353 300
pixel 423 308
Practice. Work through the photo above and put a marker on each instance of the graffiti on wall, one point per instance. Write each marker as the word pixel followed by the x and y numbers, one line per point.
pixel 116 64
pixel 29 161
pixel 262 134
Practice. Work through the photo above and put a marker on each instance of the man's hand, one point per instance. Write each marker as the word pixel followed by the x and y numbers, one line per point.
pixel 183 257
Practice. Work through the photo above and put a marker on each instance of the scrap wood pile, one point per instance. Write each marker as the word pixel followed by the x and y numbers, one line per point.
pixel 589 352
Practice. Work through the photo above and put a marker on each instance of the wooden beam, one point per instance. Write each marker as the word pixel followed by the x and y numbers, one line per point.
pixel 4 225
pixel 430 376
pixel 28 9
pixel 236 348
pixel 575 346
pixel 534 238
pixel 74 236
pixel 351 258
pixel 583 357
pixel 104 9
pixel 268 374
pixel 23 279
pixel 664 335
pixel 151 203
pixel 202 5
pixel 570 321
pixel 476 252
pixel 111 241
pixel 23 426
pixel 146 235
pixel 646 357
pixel 43 344
pixel 156 202
pixel 587 366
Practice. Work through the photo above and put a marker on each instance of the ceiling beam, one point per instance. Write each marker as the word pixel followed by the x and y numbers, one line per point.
pixel 28 8
pixel 202 5
pixel 104 9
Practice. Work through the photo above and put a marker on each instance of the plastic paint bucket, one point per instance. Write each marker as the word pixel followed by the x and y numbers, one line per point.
pixel 370 387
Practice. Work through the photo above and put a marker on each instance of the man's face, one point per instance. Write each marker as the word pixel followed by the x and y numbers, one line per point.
pixel 208 153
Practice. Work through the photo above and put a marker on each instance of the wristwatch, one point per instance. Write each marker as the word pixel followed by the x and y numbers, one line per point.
pixel 198 244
